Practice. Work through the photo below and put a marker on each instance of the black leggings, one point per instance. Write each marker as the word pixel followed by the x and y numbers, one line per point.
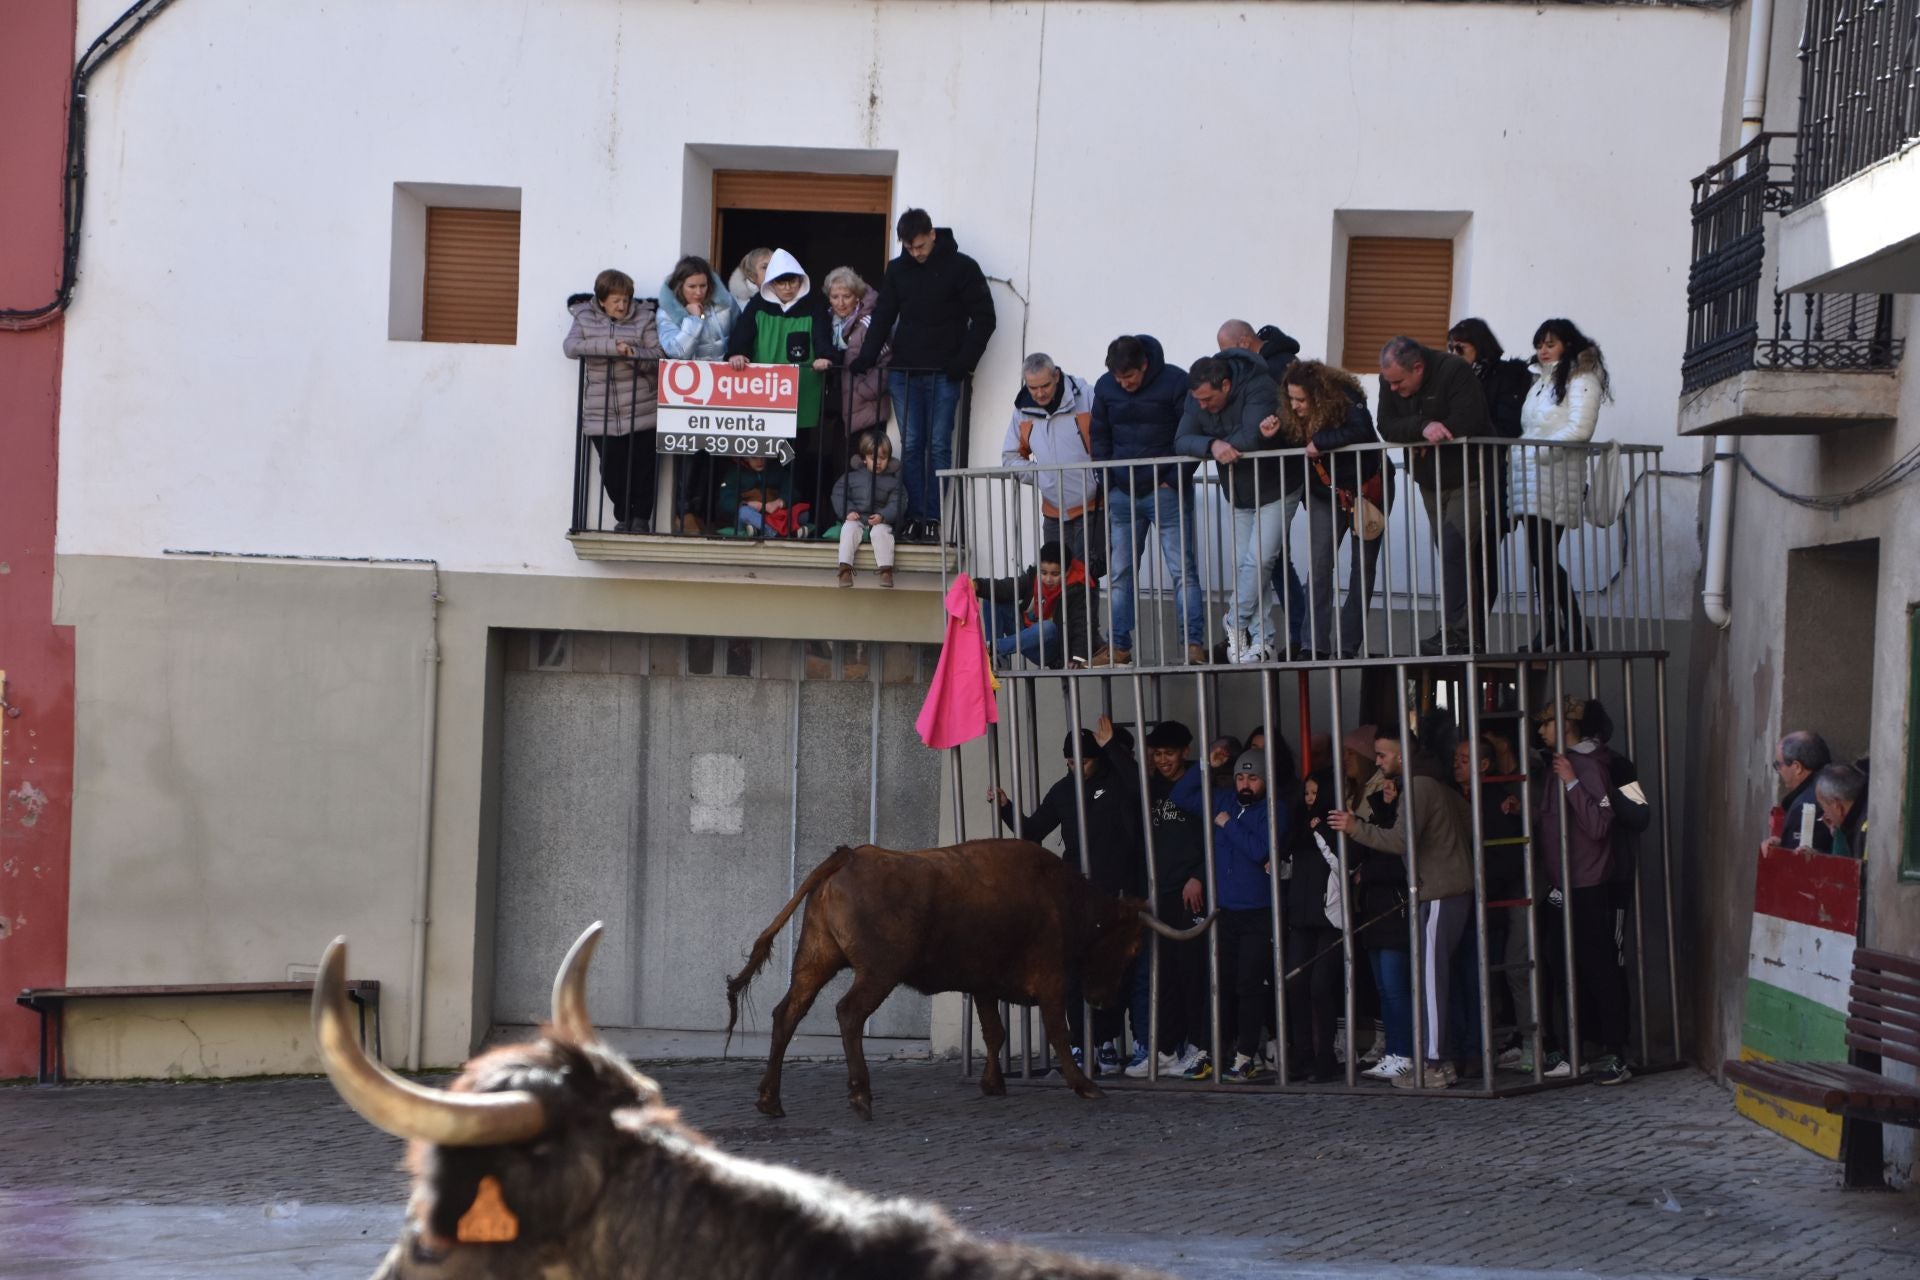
pixel 1552 590
pixel 626 470
pixel 1314 997
pixel 1183 985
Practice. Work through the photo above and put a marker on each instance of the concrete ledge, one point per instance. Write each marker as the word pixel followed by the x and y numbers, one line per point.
pixel 747 553
pixel 1862 236
pixel 1774 402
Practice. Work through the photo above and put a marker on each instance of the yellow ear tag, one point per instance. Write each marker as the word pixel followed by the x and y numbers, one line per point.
pixel 488 1220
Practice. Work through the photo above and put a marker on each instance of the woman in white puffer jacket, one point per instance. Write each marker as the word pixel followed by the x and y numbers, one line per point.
pixel 1546 487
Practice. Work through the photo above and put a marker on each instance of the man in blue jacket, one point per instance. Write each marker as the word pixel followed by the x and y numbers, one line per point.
pixel 1136 414
pixel 1243 880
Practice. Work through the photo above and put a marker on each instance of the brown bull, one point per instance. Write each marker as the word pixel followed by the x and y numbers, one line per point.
pixel 996 919
pixel 558 1160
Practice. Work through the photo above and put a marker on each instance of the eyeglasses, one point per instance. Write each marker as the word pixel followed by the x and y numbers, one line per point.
pixel 1779 765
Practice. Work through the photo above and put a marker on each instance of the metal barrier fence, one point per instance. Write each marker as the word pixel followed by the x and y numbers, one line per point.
pixel 1478 548
pixel 1598 620
pixel 630 478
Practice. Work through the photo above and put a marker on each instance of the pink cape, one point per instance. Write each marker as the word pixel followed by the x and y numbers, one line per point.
pixel 960 704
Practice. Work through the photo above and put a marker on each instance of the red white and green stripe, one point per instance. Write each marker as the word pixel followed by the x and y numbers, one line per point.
pixel 1805 921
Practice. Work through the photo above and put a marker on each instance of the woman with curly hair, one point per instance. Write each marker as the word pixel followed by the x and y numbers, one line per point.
pixel 1546 487
pixel 1329 412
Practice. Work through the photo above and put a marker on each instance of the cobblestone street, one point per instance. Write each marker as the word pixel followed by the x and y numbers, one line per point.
pixel 1659 1178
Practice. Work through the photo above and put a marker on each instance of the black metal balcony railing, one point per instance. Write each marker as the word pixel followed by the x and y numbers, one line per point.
pixel 1737 317
pixel 1859 89
pixel 625 479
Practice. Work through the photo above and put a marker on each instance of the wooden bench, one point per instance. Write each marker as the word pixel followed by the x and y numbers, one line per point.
pixel 1883 1020
pixel 51 1003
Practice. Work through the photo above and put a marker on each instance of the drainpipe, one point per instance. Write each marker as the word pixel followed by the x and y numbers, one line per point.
pixel 423 849
pixel 1726 449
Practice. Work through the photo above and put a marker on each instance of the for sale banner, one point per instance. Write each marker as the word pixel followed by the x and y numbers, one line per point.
pixel 716 408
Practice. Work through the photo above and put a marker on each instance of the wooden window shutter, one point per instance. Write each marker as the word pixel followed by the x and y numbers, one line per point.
pixel 1395 285
pixel 473 276
pixel 805 192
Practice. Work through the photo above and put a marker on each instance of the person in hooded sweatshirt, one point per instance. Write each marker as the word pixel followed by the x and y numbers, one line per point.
pixel 1233 413
pixel 1442 844
pixel 788 323
pixel 1050 430
pixel 619 341
pixel 936 314
pixel 1243 880
pixel 1136 414
pixel 1580 784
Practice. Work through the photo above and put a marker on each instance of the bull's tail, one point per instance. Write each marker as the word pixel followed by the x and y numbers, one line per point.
pixel 763 945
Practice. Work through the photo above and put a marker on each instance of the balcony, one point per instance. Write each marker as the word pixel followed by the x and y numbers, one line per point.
pixel 1855 223
pixel 636 500
pixel 1760 360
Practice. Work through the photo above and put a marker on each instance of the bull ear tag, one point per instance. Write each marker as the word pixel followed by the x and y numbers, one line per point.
pixel 488 1220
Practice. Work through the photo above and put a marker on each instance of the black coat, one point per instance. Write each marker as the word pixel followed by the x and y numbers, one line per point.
pixel 1139 424
pixel 1449 394
pixel 1801 797
pixel 939 312
pixel 1115 862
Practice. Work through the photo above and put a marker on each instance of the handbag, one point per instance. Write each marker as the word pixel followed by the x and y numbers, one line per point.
pixel 1607 490
pixel 1334 903
pixel 1369 521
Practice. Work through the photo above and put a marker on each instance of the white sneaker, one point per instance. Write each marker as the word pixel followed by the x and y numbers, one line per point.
pixel 1183 1062
pixel 1511 1059
pixel 1236 642
pixel 1559 1070
pixel 1388 1067
pixel 1251 653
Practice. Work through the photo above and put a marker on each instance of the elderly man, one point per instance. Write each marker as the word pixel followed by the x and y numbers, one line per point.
pixel 1841 791
pixel 1429 397
pixel 1051 430
pixel 1796 759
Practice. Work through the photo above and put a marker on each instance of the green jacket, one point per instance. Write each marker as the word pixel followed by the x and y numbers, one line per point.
pixel 799 333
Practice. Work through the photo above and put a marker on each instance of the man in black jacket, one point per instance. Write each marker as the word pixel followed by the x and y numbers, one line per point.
pixel 1800 756
pixel 1429 397
pixel 1113 855
pixel 936 313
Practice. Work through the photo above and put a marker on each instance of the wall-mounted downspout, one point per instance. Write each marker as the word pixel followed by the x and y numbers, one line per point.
pixel 1726 449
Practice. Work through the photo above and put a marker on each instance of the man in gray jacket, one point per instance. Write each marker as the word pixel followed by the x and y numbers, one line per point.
pixel 1232 412
pixel 1429 397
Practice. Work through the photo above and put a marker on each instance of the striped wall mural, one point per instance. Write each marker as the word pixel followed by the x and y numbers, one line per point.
pixel 1806 918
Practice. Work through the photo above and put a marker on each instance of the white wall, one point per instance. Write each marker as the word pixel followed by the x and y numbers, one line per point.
pixel 229 380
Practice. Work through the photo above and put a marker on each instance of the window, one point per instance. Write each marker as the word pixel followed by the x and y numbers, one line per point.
pixel 1395 285
pixel 471 291
pixel 455 274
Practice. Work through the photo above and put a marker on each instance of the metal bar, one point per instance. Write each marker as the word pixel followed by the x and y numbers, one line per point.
pixel 1666 845
pixel 1407 820
pixel 1278 957
pixel 1572 977
pixel 1072 690
pixel 1153 885
pixel 1639 906
pixel 1538 1012
pixel 1213 879
pixel 1479 874
pixel 1348 904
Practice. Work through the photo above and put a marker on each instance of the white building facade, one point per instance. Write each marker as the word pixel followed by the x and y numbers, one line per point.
pixel 275 749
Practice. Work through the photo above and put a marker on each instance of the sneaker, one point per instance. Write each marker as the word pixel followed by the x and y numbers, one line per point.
pixel 1251 653
pixel 1452 642
pixel 1558 1068
pixel 1512 1060
pixel 1201 1068
pixel 1137 1065
pixel 1109 1059
pixel 1236 644
pixel 1243 1070
pixel 1609 1070
pixel 1389 1066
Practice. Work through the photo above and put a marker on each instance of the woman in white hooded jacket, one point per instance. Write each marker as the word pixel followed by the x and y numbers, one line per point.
pixel 1546 486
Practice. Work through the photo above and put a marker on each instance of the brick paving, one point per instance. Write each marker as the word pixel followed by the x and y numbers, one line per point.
pixel 1573 1180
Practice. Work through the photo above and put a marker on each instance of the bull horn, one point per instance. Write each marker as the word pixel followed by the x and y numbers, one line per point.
pixel 1172 934
pixel 570 990
pixel 399 1106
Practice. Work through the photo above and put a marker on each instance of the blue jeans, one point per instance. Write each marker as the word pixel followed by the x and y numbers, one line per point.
pixel 1393 975
pixel 1257 536
pixel 925 405
pixel 1038 643
pixel 1129 516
